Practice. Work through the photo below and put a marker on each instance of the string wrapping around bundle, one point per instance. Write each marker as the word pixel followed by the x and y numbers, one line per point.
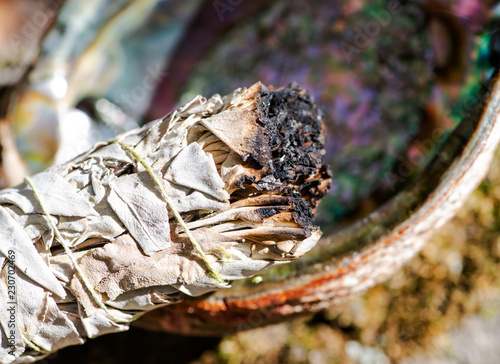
pixel 217 191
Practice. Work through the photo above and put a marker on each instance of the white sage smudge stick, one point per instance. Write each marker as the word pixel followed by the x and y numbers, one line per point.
pixel 218 190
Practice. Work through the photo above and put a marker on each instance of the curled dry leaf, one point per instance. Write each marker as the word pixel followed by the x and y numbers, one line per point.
pixel 216 191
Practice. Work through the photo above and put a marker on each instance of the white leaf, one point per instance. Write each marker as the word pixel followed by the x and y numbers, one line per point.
pixel 138 204
pixel 186 199
pixel 58 197
pixel 27 259
pixel 193 168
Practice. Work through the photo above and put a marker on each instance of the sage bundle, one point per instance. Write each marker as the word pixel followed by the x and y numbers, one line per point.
pixel 218 190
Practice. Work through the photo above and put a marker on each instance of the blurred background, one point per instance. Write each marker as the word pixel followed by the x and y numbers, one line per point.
pixel 392 79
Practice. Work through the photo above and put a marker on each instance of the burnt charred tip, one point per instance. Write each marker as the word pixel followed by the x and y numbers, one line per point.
pixel 266 212
pixel 279 135
pixel 302 213
pixel 295 138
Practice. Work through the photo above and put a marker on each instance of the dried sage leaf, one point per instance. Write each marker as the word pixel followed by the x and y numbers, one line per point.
pixel 141 209
pixel 216 191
